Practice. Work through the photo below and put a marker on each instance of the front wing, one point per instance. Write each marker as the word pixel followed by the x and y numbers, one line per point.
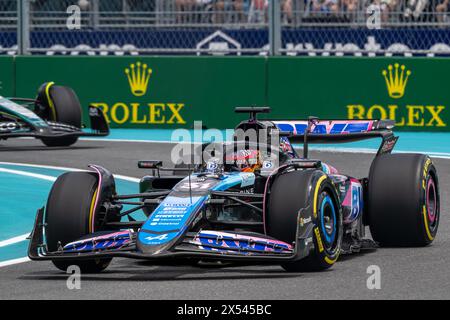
pixel 209 245
pixel 99 128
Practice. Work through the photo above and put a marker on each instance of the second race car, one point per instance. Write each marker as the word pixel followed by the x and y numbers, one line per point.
pixel 54 117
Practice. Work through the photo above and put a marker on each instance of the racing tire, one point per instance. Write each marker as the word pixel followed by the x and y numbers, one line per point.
pixel 64 107
pixel 290 192
pixel 403 200
pixel 68 217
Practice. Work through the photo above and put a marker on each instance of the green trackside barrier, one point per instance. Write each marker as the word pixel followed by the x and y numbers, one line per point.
pixel 172 92
pixel 6 76
pixel 152 92
pixel 415 92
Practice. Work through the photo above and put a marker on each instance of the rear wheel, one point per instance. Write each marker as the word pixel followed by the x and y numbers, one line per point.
pixel 293 191
pixel 403 200
pixel 70 215
pixel 61 105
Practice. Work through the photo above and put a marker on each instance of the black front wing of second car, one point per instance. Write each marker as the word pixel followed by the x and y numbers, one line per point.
pixel 99 128
pixel 38 250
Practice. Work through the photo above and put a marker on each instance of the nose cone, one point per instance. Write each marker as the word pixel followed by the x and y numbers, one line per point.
pixel 153 243
pixel 168 222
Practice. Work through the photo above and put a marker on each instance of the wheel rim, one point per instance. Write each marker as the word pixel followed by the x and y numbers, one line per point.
pixel 431 202
pixel 328 219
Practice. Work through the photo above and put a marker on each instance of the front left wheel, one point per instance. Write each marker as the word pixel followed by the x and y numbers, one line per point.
pixel 70 215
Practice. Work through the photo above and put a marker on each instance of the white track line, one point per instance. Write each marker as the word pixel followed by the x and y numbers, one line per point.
pixel 31 165
pixel 17 239
pixel 142 141
pixel 132 140
pixel 123 140
pixel 28 174
pixel 23 237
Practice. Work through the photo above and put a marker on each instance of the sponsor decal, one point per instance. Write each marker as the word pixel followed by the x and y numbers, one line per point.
pixel 357 200
pixel 136 109
pixel 325 127
pixel 222 241
pixel 319 239
pixel 304 221
pixel 8 126
pixel 268 164
pixel 388 145
pixel 248 179
pixel 168 220
pixel 159 237
pixel 404 112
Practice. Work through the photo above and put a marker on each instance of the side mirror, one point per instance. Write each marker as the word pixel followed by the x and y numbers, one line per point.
pixel 149 164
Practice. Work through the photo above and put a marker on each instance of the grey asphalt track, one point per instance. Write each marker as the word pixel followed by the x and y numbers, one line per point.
pixel 407 273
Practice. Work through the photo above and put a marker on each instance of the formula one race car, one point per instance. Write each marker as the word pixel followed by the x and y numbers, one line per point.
pixel 54 117
pixel 262 204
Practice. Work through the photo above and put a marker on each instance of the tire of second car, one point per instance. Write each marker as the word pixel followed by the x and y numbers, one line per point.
pixel 67 110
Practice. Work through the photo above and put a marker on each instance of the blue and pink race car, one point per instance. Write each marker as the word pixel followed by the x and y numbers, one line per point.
pixel 253 200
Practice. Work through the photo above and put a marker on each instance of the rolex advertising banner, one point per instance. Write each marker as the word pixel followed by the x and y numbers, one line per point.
pixel 412 91
pixel 152 92
pixel 172 92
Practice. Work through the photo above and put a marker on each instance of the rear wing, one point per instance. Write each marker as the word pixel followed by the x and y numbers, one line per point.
pixel 329 131
pixel 339 131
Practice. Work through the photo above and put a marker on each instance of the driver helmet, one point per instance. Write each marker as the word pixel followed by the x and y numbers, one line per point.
pixel 247 160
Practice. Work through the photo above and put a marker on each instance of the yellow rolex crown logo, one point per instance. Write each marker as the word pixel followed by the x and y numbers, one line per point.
pixel 396 80
pixel 138 76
